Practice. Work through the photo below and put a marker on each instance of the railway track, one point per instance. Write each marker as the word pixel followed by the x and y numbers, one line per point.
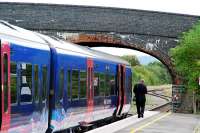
pixel 163 108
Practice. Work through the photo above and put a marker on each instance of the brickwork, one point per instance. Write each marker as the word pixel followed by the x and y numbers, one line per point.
pixel 154 33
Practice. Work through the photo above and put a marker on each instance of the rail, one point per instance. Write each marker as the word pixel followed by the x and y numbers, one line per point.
pixel 164 107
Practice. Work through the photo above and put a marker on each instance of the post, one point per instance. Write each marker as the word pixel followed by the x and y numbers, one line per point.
pixel 194 103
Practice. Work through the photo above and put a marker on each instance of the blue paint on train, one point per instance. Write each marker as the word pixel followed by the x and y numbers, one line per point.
pixel 40 100
pixel 29 113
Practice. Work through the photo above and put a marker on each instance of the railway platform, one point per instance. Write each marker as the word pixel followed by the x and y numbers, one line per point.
pixel 154 122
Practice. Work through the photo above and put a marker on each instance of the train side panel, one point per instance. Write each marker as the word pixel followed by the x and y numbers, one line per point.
pixel 70 105
pixel 70 101
pixel 29 70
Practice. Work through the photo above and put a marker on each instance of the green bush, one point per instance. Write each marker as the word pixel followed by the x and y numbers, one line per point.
pixel 186 57
pixel 153 74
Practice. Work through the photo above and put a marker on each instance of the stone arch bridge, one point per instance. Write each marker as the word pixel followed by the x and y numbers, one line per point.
pixel 154 33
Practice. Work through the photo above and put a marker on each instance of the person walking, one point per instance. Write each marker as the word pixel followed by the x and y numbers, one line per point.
pixel 140 90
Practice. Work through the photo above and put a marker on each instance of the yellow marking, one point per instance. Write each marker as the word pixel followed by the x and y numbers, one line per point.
pixel 197 129
pixel 149 123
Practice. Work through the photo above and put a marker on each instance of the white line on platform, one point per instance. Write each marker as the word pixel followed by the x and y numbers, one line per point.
pixel 116 126
pixel 149 123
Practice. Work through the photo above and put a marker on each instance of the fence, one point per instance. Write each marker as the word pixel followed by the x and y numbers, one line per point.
pixel 177 93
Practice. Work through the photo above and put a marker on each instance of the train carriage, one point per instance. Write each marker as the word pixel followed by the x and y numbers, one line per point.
pixel 24 79
pixel 51 84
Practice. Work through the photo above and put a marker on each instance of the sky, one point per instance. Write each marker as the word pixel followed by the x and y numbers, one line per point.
pixel 190 7
pixel 174 6
pixel 120 51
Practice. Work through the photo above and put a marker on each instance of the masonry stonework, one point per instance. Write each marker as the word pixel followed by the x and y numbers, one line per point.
pixel 151 32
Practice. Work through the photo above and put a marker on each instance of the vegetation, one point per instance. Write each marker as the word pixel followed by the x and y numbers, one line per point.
pixel 187 57
pixel 154 73
pixel 187 62
pixel 133 60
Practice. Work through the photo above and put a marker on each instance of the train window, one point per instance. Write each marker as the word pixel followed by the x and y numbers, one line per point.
pixel 61 84
pixel 44 82
pixel 69 84
pixel 26 82
pixel 36 84
pixel 102 84
pixel 13 85
pixel 75 83
pixel 96 84
pixel 83 84
pixel 107 85
pixel 112 85
pixel 5 84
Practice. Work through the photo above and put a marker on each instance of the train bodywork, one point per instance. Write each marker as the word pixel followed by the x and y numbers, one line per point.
pixel 53 84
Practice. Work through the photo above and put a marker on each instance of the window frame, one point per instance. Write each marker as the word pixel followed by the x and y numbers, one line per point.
pixel 98 83
pixel 104 82
pixel 20 82
pixel 77 98
pixel 38 85
pixel 60 99
pixel 115 83
pixel 69 84
pixel 83 71
pixel 5 91
pixel 16 76
pixel 46 90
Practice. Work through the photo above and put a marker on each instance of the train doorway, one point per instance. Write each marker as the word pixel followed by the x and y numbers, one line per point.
pixel 5 84
pixel 90 90
pixel 121 87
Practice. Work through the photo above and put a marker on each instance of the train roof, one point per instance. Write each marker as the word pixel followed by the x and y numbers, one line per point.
pixel 41 41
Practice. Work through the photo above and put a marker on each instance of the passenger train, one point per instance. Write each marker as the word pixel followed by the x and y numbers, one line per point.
pixel 49 85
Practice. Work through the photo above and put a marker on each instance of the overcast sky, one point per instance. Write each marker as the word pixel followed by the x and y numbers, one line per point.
pixel 119 51
pixel 191 7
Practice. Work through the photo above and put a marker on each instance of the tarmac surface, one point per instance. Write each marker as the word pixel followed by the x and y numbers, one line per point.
pixel 154 122
pixel 166 123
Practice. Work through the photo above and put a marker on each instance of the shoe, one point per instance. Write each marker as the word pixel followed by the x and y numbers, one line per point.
pixel 142 115
pixel 138 116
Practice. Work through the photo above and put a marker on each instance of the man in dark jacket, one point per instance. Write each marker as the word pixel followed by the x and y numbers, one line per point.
pixel 140 90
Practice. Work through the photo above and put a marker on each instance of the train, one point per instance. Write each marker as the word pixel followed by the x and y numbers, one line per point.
pixel 50 85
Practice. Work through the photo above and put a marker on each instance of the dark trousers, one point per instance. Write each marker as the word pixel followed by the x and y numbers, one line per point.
pixel 140 107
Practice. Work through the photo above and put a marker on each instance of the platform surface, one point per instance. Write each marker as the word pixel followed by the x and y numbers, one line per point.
pixel 116 126
pixel 166 123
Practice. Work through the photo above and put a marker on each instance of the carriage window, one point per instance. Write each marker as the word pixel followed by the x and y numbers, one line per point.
pixel 112 85
pixel 61 84
pixel 96 84
pixel 44 82
pixel 102 84
pixel 75 83
pixel 13 85
pixel 26 82
pixel 68 84
pixel 75 80
pixel 83 84
pixel 36 82
pixel 5 66
pixel 107 85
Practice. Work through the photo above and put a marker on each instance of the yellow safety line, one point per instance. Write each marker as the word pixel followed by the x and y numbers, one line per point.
pixel 196 129
pixel 149 123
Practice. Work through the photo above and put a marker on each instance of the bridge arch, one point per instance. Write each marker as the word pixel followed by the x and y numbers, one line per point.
pixel 123 41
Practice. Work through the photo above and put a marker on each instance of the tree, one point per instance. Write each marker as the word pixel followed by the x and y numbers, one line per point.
pixel 133 60
pixel 186 57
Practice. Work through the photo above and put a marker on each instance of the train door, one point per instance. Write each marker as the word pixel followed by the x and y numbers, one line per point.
pixel 121 88
pixel 5 86
pixel 90 90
